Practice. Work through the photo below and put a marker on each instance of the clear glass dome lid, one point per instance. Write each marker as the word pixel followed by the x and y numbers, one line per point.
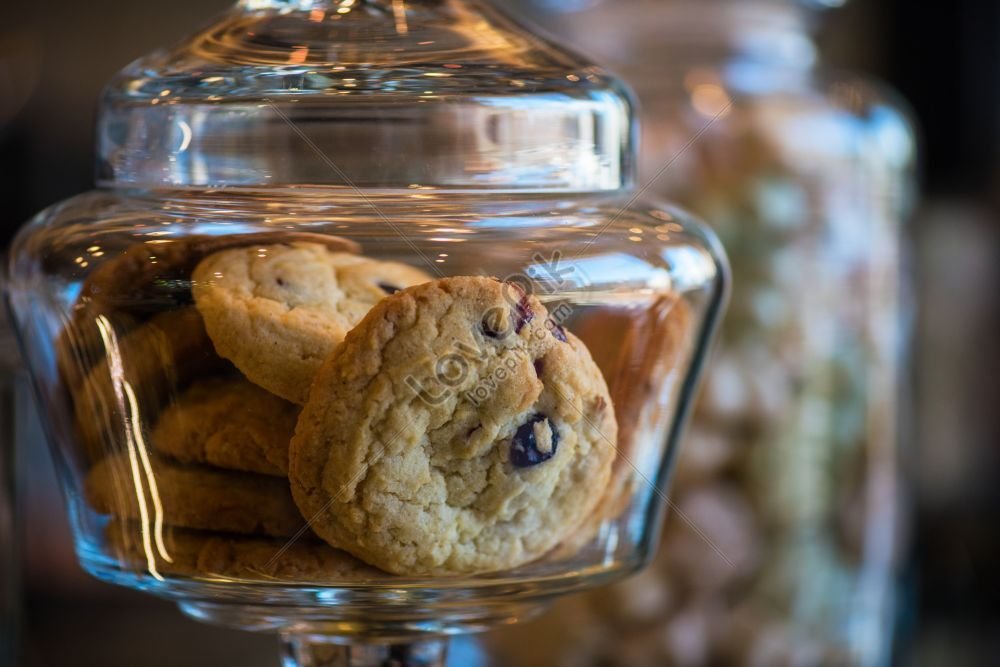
pixel 444 94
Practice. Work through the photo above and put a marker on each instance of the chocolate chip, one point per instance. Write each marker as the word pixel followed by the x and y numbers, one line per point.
pixel 280 281
pixel 523 314
pixel 524 451
pixel 388 289
pixel 489 329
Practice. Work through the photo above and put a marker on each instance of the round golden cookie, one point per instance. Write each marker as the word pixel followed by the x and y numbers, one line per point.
pixel 277 311
pixel 456 430
pixel 228 423
pixel 81 344
pixel 192 496
pixel 146 278
pixel 192 553
pixel 155 275
pixel 145 367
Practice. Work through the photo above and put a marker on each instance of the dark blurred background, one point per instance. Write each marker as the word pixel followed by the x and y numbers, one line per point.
pixel 944 58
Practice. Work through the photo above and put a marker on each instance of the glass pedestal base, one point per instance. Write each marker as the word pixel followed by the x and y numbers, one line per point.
pixel 313 639
pixel 313 651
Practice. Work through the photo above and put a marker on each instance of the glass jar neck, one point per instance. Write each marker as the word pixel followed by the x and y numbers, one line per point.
pixel 370 94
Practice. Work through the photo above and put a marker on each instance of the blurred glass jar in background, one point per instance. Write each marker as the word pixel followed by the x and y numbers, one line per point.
pixel 783 539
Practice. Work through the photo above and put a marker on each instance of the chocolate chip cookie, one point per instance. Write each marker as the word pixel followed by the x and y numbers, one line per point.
pixel 140 373
pixel 153 488
pixel 154 275
pixel 277 311
pixel 193 553
pixel 228 423
pixel 458 429
pixel 144 279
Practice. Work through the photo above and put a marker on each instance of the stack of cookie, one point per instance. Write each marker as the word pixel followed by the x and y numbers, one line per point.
pixel 310 414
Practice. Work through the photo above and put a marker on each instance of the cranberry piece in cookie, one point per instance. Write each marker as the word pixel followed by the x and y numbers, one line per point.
pixel 534 442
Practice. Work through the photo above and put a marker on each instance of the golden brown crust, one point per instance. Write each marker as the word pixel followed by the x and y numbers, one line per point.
pixel 143 371
pixel 192 496
pixel 146 279
pixel 192 553
pixel 155 276
pixel 278 311
pixel 228 423
pixel 481 464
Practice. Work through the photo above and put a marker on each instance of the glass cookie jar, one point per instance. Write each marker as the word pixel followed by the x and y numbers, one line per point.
pixel 782 546
pixel 315 221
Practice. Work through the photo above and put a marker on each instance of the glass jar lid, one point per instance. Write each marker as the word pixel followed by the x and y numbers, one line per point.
pixel 372 94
